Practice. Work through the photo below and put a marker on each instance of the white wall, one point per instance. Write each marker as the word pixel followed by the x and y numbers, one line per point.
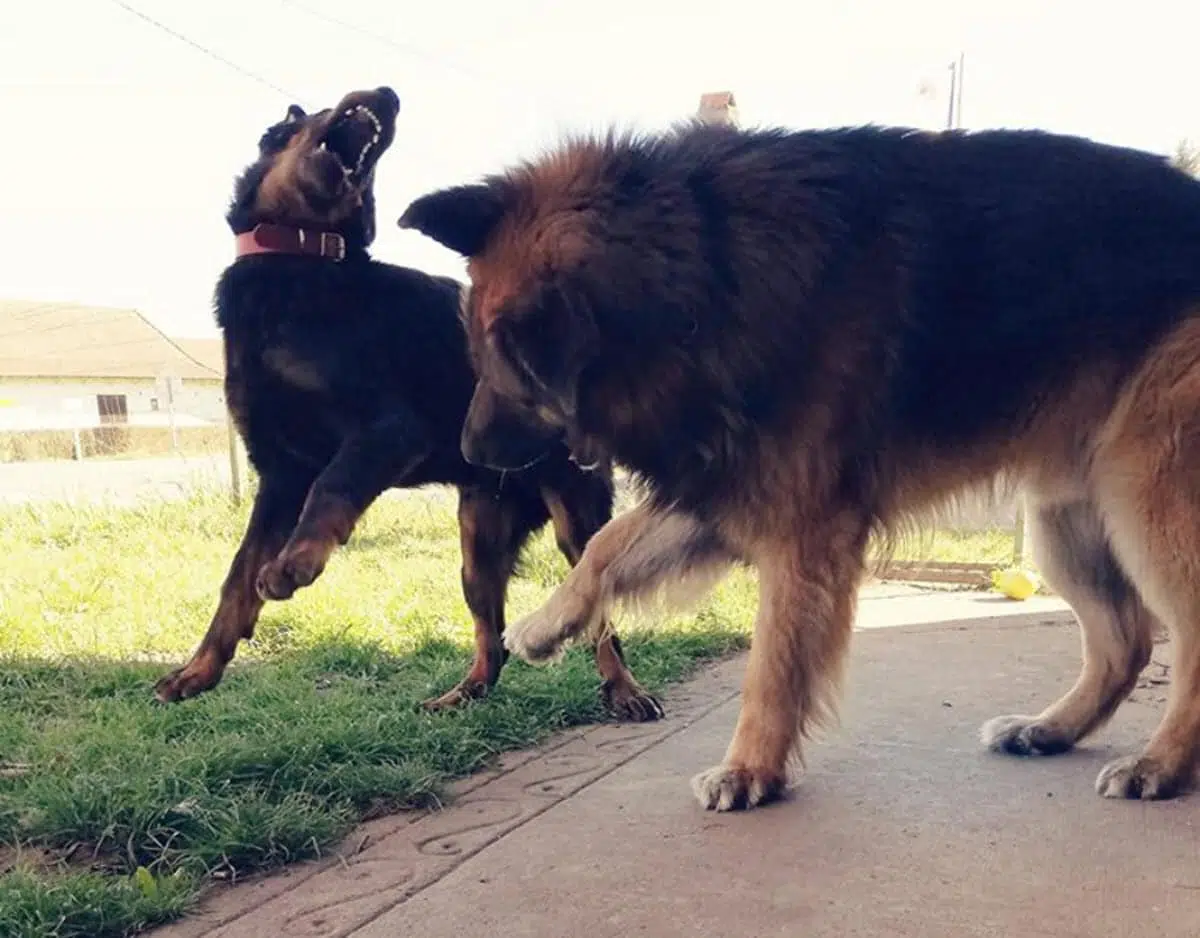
pixel 43 404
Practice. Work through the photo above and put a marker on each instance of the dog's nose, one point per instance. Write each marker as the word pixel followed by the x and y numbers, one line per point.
pixel 389 96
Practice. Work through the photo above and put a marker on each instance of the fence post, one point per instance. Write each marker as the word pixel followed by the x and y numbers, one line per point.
pixel 171 414
pixel 1019 533
pixel 235 464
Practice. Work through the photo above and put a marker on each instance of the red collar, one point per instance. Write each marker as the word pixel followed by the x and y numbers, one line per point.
pixel 269 238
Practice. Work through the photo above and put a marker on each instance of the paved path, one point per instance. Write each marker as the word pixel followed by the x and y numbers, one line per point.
pixel 902 826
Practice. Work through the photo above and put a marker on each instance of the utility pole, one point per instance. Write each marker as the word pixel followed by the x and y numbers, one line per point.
pixel 954 104
pixel 235 462
pixel 959 88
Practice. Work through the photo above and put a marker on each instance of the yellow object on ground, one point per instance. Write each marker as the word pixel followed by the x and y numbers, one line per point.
pixel 1015 583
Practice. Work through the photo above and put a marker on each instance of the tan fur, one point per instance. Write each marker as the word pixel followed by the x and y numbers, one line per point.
pixel 1130 458
pixel 543 234
pixel 1071 550
pixel 1145 476
pixel 278 195
pixel 805 617
pixel 806 605
pixel 620 687
pixel 798 417
pixel 630 560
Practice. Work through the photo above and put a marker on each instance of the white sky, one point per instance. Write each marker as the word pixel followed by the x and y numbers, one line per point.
pixel 121 142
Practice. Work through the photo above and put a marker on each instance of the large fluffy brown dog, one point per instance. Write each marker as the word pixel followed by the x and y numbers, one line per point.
pixel 800 340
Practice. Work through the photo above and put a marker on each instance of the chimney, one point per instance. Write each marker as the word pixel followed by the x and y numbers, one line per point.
pixel 718 107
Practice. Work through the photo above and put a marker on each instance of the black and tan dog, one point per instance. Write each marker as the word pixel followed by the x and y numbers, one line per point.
pixel 800 340
pixel 346 377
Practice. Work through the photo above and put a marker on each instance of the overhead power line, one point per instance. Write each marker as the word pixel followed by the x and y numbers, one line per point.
pixel 229 63
pixel 487 80
pixel 405 48
pixel 401 47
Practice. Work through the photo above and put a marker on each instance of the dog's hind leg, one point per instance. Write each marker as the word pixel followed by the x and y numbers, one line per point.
pixel 1072 551
pixel 366 464
pixel 1148 487
pixel 631 558
pixel 492 530
pixel 579 507
pixel 276 507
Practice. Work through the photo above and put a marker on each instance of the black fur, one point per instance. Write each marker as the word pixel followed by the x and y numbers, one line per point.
pixel 955 260
pixel 348 378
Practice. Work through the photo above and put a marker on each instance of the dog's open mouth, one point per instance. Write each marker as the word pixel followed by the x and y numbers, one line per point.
pixel 353 139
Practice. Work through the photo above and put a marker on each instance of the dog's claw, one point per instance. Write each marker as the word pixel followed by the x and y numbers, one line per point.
pixel 729 788
pixel 185 682
pixel 462 693
pixel 629 702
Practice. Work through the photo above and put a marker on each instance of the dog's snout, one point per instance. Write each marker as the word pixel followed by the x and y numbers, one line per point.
pixel 390 96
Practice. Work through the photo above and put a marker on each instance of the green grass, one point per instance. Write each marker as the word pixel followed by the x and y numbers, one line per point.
pixel 314 727
pixel 990 545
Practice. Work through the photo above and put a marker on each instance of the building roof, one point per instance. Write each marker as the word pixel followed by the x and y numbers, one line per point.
pixel 68 340
pixel 717 107
pixel 717 101
pixel 208 352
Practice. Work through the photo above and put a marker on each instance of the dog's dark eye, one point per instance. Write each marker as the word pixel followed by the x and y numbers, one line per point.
pixel 514 373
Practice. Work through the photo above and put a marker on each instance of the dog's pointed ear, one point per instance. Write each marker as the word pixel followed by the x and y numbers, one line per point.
pixel 295 113
pixel 461 218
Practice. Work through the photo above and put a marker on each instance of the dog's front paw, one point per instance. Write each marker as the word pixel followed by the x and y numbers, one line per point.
pixel 534 640
pixel 198 675
pixel 541 635
pixel 1024 736
pixel 630 702
pixel 297 566
pixel 732 788
pixel 459 695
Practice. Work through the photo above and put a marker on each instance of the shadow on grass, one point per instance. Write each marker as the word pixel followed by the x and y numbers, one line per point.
pixel 272 766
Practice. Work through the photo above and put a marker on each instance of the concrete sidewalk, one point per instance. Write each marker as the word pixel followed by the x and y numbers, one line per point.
pixel 903 826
